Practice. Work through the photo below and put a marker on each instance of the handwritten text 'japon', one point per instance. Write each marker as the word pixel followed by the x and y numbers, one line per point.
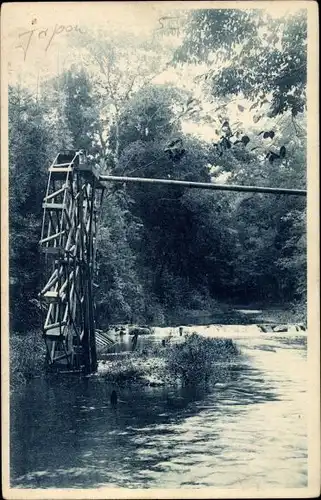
pixel 47 35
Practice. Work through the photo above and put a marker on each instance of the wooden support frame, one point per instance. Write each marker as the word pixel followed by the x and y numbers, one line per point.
pixel 67 240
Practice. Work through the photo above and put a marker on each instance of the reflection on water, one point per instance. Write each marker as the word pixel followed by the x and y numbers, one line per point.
pixel 249 430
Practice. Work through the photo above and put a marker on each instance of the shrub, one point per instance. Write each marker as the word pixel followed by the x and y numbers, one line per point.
pixel 124 370
pixel 194 360
pixel 27 356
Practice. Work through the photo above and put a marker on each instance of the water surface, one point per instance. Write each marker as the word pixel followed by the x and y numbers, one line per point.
pixel 248 430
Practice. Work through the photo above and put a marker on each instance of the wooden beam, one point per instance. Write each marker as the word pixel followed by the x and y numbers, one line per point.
pixel 53 206
pixel 52 237
pixel 58 324
pixel 56 193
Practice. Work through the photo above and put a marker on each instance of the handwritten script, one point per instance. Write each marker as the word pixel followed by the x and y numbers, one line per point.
pixel 45 34
pixel 169 25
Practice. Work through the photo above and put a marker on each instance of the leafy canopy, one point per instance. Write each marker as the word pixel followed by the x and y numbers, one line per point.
pixel 249 53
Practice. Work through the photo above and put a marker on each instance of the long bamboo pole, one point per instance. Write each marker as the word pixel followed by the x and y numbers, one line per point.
pixel 203 185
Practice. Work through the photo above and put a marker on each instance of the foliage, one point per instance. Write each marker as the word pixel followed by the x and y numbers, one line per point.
pixel 71 95
pixel 123 371
pixel 291 263
pixel 220 29
pixel 120 294
pixel 148 116
pixel 80 110
pixel 27 355
pixel 120 66
pixel 194 360
pixel 29 156
pixel 251 53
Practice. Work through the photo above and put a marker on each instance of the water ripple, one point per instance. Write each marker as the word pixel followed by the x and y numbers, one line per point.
pixel 250 430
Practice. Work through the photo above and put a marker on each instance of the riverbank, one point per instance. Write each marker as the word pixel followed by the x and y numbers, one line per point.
pixel 188 359
pixel 192 359
pixel 27 351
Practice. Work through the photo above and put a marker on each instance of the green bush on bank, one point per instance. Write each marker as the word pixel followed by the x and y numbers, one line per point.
pixel 123 370
pixel 27 356
pixel 194 361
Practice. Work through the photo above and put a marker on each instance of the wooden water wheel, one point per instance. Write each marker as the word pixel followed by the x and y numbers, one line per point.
pixel 68 242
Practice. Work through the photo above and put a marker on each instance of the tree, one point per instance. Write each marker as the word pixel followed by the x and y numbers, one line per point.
pixel 252 54
pixel 69 98
pixel 181 234
pixel 29 157
pixel 120 65
pixel 80 110
pixel 63 116
pixel 119 297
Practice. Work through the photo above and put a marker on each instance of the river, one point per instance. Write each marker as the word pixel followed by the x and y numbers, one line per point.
pixel 249 430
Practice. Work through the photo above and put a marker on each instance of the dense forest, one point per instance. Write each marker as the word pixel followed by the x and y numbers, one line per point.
pixel 164 249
